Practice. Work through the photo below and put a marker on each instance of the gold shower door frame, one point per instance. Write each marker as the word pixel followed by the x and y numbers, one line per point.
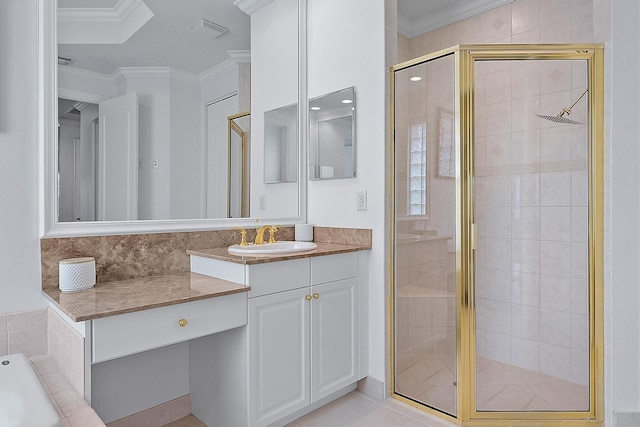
pixel 465 56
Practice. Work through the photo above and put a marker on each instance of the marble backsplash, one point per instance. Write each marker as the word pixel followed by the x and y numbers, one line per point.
pixel 120 257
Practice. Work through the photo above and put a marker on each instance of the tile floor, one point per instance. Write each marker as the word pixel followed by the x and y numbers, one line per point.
pixel 502 387
pixel 355 409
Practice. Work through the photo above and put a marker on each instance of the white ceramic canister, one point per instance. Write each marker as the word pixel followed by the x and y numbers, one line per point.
pixel 77 274
pixel 304 232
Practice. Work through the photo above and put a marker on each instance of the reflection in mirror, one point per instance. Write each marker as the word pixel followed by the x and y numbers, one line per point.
pixel 332 135
pixel 281 145
pixel 77 151
pixel 170 56
pixel 183 61
pixel 239 166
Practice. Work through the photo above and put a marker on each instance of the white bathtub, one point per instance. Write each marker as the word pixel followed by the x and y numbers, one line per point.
pixel 23 400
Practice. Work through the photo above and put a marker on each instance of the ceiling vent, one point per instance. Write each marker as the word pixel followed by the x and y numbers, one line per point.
pixel 207 28
pixel 64 61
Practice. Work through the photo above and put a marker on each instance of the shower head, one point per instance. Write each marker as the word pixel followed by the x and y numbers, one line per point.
pixel 560 118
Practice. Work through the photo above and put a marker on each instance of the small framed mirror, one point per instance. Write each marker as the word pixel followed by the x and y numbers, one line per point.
pixel 281 144
pixel 332 139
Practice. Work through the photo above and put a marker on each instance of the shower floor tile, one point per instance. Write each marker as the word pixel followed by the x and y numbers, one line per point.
pixel 500 386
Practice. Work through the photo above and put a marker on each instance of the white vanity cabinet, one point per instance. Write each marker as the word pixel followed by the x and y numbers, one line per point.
pixel 304 332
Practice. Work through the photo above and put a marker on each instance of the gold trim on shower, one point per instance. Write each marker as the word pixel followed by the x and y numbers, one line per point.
pixel 244 197
pixel 465 56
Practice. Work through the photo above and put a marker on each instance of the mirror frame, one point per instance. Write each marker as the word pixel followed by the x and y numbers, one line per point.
pixel 49 227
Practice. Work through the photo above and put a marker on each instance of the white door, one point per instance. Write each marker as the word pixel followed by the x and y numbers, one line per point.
pixel 117 197
pixel 278 334
pixel 334 350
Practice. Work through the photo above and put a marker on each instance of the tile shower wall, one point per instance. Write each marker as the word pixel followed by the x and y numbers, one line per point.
pixel 521 21
pixel 532 215
pixel 531 186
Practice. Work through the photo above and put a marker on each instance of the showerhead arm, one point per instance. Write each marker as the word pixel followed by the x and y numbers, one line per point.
pixel 560 118
pixel 568 110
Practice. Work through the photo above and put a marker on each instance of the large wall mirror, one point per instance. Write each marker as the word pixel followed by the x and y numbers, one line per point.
pixel 332 139
pixel 136 101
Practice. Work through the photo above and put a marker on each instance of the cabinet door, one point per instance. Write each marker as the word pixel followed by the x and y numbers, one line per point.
pixel 278 334
pixel 334 337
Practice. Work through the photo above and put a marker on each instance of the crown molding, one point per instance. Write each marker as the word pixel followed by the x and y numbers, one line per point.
pixel 80 74
pixel 69 122
pixel 240 56
pixel 227 67
pixel 251 6
pixel 448 15
pixel 119 13
pixel 102 25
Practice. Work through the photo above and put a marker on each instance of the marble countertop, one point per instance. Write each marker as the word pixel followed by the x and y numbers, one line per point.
pixel 322 249
pixel 126 296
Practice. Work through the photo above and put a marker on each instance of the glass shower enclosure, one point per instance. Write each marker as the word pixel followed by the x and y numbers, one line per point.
pixel 497 233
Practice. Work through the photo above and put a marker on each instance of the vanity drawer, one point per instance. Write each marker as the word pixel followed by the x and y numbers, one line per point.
pixel 280 276
pixel 130 333
pixel 330 268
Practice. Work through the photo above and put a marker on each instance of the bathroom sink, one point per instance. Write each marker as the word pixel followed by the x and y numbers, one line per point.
pixel 272 248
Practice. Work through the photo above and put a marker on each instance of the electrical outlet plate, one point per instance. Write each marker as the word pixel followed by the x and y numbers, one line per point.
pixel 361 200
pixel 263 202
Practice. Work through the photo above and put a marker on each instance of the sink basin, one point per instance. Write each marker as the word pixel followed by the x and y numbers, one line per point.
pixel 272 248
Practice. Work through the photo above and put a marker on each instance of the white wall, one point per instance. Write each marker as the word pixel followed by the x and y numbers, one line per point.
pixel 622 299
pixel 348 49
pixel 185 147
pixel 274 40
pixel 19 245
pixel 88 184
pixel 154 127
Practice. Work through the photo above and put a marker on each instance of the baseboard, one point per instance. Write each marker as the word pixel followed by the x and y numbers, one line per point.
pixel 158 415
pixel 304 411
pixel 373 387
pixel 626 419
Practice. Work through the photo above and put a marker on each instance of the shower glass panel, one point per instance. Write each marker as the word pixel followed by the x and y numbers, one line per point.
pixel 531 194
pixel 425 226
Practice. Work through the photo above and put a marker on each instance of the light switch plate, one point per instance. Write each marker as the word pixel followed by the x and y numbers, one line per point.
pixel 361 200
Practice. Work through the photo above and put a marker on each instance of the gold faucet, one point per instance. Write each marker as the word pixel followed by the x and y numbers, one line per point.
pixel 243 236
pixel 272 233
pixel 260 234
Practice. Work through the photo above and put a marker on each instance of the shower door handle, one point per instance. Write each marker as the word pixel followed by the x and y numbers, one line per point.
pixel 474 236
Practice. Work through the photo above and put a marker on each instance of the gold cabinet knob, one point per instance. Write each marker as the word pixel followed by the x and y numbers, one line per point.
pixel 308 297
pixel 316 295
pixel 182 323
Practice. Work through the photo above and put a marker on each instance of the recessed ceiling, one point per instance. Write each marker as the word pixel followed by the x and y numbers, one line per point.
pixel 165 41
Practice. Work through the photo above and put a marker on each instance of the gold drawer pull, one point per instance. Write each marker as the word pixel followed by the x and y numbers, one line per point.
pixel 182 323
pixel 316 295
pixel 308 297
